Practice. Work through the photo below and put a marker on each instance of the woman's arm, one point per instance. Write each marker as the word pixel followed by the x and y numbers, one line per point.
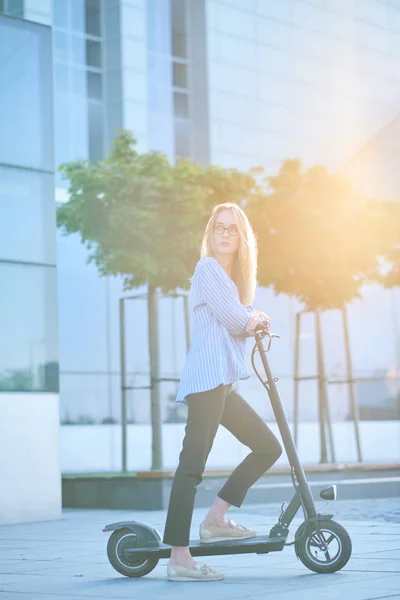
pixel 222 299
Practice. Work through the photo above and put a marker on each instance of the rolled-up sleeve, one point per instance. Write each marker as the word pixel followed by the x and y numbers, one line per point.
pixel 222 299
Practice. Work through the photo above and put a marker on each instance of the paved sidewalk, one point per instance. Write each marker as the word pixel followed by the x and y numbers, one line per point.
pixel 60 560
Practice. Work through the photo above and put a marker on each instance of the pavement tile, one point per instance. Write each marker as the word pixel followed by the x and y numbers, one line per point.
pixel 65 559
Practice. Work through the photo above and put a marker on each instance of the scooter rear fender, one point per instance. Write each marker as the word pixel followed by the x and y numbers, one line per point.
pixel 145 534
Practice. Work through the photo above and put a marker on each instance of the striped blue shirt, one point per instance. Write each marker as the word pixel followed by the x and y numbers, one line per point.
pixel 218 326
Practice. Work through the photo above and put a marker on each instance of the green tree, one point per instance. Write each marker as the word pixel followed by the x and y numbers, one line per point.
pixel 318 241
pixel 317 238
pixel 387 242
pixel 142 218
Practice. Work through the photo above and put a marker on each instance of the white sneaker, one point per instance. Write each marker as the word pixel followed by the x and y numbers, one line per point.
pixel 201 572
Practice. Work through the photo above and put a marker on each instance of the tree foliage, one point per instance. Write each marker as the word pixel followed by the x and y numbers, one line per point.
pixel 143 218
pixel 140 216
pixel 317 239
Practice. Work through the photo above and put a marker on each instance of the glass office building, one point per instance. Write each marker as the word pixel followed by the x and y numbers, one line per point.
pixel 237 83
pixel 29 457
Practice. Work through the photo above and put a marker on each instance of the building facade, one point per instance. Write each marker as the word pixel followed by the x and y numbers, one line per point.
pixel 238 83
pixel 29 403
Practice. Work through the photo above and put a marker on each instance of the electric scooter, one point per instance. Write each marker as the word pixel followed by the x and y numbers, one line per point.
pixel 322 545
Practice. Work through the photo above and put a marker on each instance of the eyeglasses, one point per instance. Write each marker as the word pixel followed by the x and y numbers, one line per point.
pixel 220 230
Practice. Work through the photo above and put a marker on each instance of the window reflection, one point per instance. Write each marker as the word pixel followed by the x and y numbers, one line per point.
pixel 93 17
pixel 27 216
pixel 60 13
pixel 181 105
pixel 60 46
pixel 28 324
pixel 77 14
pixel 25 98
pixel 78 50
pixel 93 53
pixel 179 28
pixel 182 138
pixel 94 85
pixel 96 140
pixel 180 75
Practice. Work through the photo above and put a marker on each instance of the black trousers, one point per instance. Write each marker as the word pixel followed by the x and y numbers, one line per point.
pixel 206 410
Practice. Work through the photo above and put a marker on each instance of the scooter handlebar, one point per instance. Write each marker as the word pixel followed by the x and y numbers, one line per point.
pixel 262 327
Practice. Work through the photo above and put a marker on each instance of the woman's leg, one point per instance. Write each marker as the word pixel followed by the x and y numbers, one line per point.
pixel 204 414
pixel 248 427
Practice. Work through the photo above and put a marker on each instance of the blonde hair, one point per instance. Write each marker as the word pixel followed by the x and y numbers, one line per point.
pixel 244 269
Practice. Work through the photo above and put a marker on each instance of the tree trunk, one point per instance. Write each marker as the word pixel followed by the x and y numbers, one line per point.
pixel 156 439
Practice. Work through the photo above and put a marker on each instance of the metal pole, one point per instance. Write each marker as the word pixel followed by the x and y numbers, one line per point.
pixel 156 443
pixel 396 332
pixel 187 321
pixel 321 412
pixel 123 380
pixel 350 379
pixel 296 379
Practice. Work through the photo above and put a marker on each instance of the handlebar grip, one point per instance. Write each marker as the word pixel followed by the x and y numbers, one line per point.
pixel 262 326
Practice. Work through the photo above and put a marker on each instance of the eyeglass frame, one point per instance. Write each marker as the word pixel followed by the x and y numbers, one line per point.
pixel 226 229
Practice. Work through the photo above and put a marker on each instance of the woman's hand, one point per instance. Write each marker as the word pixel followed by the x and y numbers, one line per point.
pixel 256 318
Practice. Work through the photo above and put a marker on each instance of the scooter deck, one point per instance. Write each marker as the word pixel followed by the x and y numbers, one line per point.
pixel 259 544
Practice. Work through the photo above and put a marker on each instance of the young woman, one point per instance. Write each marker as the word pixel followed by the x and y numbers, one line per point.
pixel 222 291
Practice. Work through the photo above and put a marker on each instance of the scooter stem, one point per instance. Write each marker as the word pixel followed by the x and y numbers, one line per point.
pixel 298 475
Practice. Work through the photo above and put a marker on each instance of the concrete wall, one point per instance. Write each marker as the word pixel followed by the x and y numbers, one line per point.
pixel 30 488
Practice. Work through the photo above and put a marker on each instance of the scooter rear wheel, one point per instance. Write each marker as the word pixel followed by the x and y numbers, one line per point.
pixel 324 551
pixel 121 540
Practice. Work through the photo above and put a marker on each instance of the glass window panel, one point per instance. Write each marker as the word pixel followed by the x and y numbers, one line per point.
pixel 60 13
pixel 181 105
pixel 93 17
pixel 179 46
pixel 94 85
pixel 28 325
pixel 158 27
pixel 61 78
pixel 77 15
pixel 96 138
pixel 277 10
pixel 159 70
pixel 238 51
pixel 182 137
pixel 160 101
pixel 274 33
pixel 62 132
pixel 78 50
pixel 15 8
pixel 79 77
pixel 78 107
pixel 60 46
pixel 179 29
pixel 271 60
pixel 93 53
pixel 26 95
pixel 161 133
pixel 180 75
pixel 27 216
pixel 238 22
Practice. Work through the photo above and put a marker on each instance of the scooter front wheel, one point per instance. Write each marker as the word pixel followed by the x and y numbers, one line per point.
pixel 324 550
pixel 119 542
